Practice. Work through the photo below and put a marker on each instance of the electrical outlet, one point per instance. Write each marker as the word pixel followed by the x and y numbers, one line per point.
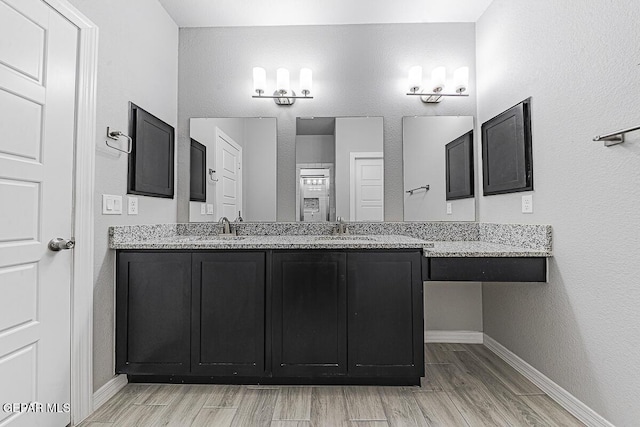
pixel 527 204
pixel 210 209
pixel 203 208
pixel 111 205
pixel 449 208
pixel 132 205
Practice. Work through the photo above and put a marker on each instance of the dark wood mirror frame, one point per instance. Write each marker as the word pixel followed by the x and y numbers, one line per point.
pixel 507 165
pixel 198 172
pixel 459 168
pixel 151 162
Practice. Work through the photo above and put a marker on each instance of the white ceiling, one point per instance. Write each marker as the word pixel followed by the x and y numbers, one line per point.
pixel 227 13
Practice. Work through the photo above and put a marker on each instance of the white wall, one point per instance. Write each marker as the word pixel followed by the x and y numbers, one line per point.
pixel 359 70
pixel 579 61
pixel 353 134
pixel 423 142
pixel 138 62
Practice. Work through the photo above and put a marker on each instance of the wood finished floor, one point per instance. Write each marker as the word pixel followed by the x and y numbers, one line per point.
pixel 465 385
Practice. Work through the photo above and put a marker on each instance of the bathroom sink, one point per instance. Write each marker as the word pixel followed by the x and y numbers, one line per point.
pixel 212 238
pixel 345 238
pixel 229 237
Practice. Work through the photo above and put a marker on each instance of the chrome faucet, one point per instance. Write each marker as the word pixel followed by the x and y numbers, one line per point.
pixel 341 227
pixel 226 226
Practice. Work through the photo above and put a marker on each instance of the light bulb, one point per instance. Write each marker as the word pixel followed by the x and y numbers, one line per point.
pixel 282 81
pixel 305 81
pixel 438 77
pixel 415 78
pixel 461 79
pixel 259 80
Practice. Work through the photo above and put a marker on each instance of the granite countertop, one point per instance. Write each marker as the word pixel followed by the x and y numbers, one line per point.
pixel 436 239
pixel 277 242
pixel 474 249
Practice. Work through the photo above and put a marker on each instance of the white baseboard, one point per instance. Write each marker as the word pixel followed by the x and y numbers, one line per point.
pixel 565 399
pixel 460 337
pixel 108 390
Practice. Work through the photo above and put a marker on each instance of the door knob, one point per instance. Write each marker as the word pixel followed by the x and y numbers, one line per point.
pixel 59 244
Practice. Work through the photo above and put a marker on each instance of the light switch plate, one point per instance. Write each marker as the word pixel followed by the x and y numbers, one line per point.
pixel 527 204
pixel 203 209
pixel 111 205
pixel 210 209
pixel 132 205
pixel 449 208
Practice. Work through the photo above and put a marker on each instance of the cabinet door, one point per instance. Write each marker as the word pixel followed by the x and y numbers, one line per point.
pixel 153 312
pixel 309 314
pixel 385 314
pixel 228 314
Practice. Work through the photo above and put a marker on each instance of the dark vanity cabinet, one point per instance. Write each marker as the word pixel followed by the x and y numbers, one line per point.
pixel 309 314
pixel 385 314
pixel 227 313
pixel 153 313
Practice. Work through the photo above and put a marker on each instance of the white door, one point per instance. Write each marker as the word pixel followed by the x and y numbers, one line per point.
pixel 37 103
pixel 229 175
pixel 367 195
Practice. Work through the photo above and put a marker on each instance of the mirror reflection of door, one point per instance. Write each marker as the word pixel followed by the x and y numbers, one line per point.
pixel 229 173
pixel 367 187
pixel 325 150
pixel 359 136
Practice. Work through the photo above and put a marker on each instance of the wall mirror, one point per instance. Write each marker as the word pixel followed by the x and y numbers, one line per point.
pixel 233 169
pixel 339 169
pixel 424 142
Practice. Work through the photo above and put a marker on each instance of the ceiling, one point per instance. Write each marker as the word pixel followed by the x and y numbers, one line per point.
pixel 242 13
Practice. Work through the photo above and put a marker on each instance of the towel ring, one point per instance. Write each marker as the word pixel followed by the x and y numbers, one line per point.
pixel 115 135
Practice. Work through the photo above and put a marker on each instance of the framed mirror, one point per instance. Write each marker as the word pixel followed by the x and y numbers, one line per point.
pixel 339 169
pixel 434 148
pixel 236 160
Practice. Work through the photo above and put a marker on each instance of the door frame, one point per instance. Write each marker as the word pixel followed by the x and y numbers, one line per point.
pixel 84 176
pixel 352 177
pixel 221 135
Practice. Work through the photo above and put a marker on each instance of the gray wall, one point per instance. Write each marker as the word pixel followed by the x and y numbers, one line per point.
pixel 257 137
pixel 138 62
pixel 260 157
pixel 359 70
pixel 315 149
pixel 578 60
pixel 424 141
pixel 203 131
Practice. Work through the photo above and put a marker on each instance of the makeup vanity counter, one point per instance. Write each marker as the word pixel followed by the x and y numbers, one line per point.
pixel 290 303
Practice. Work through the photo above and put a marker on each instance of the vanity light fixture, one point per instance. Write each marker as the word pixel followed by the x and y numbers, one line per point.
pixel 283 95
pixel 435 89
